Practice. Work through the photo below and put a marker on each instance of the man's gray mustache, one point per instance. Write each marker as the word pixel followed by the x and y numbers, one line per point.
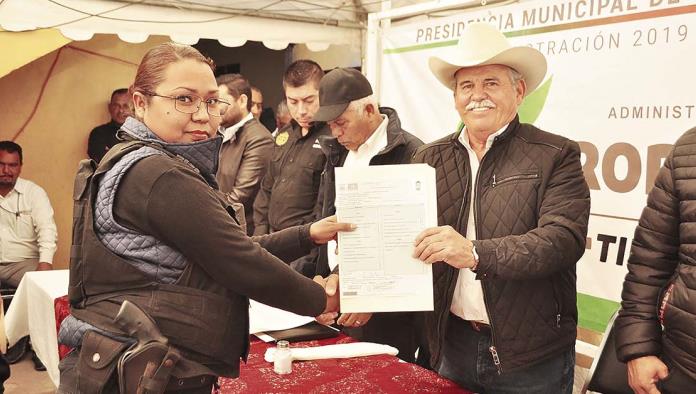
pixel 480 104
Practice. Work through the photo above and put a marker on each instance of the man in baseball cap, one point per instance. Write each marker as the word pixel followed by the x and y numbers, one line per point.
pixel 363 134
pixel 513 207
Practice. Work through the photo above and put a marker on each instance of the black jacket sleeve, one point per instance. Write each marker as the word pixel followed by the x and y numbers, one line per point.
pixel 651 263
pixel 558 241
pixel 261 204
pixel 174 204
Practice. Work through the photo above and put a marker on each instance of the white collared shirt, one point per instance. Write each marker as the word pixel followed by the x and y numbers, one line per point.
pixel 467 302
pixel 27 229
pixel 231 132
pixel 370 148
pixel 361 158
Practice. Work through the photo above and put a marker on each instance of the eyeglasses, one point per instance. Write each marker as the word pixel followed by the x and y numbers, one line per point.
pixel 190 104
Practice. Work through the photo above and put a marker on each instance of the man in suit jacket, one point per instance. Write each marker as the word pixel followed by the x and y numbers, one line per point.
pixel 247 146
pixel 103 137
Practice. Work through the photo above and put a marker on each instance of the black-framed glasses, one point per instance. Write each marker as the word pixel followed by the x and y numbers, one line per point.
pixel 190 104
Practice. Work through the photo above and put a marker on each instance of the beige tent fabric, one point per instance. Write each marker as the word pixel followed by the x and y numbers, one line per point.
pixel 134 22
pixel 51 104
pixel 20 48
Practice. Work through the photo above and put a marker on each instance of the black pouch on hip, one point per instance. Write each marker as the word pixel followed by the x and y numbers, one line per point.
pixel 97 361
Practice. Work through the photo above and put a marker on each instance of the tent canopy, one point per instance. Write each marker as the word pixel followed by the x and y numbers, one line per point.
pixel 27 46
pixel 135 21
pixel 275 23
pixel 33 28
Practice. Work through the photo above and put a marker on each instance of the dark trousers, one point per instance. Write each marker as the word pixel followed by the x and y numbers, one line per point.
pixel 466 360
pixel 402 330
pixel 677 382
pixel 4 372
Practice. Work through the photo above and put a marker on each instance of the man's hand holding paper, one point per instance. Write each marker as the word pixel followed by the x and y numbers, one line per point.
pixel 444 244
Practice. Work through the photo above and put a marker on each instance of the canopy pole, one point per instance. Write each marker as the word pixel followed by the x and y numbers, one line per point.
pixel 378 21
pixel 373 57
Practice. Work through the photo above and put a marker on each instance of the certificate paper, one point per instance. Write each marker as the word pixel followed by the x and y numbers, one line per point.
pixel 267 318
pixel 390 205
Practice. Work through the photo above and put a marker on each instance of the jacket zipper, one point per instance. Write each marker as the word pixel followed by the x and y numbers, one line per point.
pixel 494 354
pixel 492 349
pixel 513 178
pixel 443 316
pixel 663 303
pixel 477 207
pixel 556 298
pixel 663 298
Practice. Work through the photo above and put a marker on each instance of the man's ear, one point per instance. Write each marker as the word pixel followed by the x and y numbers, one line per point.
pixel 520 89
pixel 243 100
pixel 370 109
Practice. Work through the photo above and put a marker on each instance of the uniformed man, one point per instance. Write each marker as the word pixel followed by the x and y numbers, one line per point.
pixel 289 190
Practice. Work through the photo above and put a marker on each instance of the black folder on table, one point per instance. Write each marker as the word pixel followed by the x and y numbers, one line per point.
pixel 307 332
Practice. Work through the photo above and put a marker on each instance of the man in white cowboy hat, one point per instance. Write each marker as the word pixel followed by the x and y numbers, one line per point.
pixel 513 207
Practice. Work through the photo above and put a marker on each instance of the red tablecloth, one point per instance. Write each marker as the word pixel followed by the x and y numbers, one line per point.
pixel 62 311
pixel 372 374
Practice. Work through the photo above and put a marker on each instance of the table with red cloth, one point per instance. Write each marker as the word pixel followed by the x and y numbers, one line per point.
pixel 370 374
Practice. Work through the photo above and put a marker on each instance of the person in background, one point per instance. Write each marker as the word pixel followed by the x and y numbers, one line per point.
pixel 289 190
pixel 282 117
pixel 103 137
pixel 363 134
pixel 152 229
pixel 656 326
pixel 256 102
pixel 268 119
pixel 247 146
pixel 513 207
pixel 264 115
pixel 28 234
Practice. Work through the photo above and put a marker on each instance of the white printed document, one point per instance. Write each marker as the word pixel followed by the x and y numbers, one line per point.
pixel 267 318
pixel 390 205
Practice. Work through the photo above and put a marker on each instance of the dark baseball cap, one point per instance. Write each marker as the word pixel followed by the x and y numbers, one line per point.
pixel 337 89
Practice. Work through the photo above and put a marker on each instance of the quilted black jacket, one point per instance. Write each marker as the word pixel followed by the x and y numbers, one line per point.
pixel 660 287
pixel 531 225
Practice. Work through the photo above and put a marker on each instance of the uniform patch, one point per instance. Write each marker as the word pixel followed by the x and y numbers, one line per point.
pixel 282 138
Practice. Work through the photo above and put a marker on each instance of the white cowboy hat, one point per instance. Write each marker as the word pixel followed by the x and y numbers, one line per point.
pixel 482 44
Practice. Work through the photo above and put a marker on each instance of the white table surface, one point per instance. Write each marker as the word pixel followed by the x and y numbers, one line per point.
pixel 32 312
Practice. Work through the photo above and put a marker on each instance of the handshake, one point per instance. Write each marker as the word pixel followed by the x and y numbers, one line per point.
pixel 322 232
pixel 333 303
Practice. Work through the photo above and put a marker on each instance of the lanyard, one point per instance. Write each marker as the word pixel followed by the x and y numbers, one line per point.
pixel 17 212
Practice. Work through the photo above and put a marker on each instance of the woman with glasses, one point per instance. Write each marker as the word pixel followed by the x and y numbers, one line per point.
pixel 155 231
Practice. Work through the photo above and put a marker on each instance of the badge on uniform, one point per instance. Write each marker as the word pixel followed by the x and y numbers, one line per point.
pixel 282 138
